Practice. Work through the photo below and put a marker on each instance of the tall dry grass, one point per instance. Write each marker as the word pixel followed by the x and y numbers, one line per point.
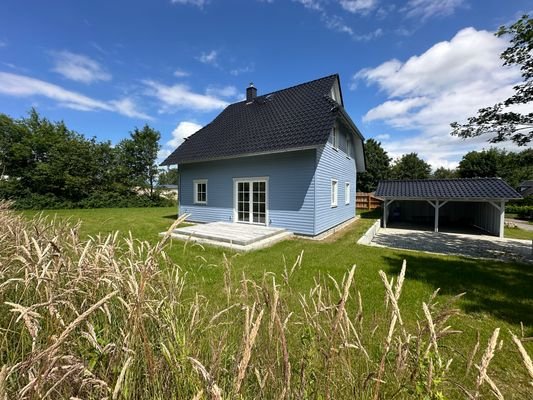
pixel 114 318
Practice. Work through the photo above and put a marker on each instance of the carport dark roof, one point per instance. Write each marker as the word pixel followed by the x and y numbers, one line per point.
pixel 298 117
pixel 468 188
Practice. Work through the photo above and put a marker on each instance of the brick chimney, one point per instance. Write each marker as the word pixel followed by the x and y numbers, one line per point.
pixel 251 93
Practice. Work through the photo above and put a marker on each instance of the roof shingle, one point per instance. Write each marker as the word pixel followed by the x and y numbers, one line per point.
pixel 297 117
pixel 467 188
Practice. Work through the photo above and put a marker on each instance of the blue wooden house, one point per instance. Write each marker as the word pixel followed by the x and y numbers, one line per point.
pixel 286 159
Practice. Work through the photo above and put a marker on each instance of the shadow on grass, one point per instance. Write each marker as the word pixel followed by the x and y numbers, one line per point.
pixel 370 214
pixel 171 216
pixel 503 290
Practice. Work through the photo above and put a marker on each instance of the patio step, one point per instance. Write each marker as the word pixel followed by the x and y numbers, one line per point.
pixel 231 235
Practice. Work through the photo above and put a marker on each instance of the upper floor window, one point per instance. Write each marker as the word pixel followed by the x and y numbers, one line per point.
pixel 200 191
pixel 349 147
pixel 335 138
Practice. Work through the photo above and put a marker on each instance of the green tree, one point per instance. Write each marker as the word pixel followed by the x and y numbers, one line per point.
pixel 500 120
pixel 47 158
pixel 513 167
pixel 137 158
pixel 445 173
pixel 481 164
pixel 168 177
pixel 410 166
pixel 377 166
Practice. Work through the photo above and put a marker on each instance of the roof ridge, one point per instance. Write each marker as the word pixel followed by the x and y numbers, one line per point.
pixel 291 87
pixel 442 179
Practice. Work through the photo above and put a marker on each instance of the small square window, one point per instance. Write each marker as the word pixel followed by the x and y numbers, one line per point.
pixel 200 191
pixel 347 194
pixel 334 192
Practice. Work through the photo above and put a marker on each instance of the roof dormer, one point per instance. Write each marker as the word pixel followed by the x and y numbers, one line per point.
pixel 335 92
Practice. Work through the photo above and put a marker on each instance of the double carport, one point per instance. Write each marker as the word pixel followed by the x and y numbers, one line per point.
pixel 456 204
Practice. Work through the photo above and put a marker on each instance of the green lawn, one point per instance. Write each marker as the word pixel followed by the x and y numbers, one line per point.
pixel 498 294
pixel 517 233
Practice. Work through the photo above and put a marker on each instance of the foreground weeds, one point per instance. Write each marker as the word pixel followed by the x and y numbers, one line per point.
pixel 115 318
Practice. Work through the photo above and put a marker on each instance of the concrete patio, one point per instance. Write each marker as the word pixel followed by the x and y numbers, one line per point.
pixel 478 246
pixel 240 237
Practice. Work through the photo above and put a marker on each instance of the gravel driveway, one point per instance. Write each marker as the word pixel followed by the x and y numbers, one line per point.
pixel 455 243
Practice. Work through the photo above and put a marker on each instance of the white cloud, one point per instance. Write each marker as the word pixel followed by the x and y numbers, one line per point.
pixel 179 73
pixel 431 8
pixel 183 130
pixel 180 96
pixel 127 107
pixel 209 57
pixel 364 37
pixel 336 23
pixel 222 91
pixel 25 86
pixel 162 154
pixel 448 82
pixel 394 108
pixel 78 67
pixel 358 6
pixel 242 70
pixel 310 4
pixel 197 3
pixel 382 136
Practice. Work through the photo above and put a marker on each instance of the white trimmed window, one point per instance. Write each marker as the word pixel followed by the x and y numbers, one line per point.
pixel 335 139
pixel 349 147
pixel 200 191
pixel 347 193
pixel 334 192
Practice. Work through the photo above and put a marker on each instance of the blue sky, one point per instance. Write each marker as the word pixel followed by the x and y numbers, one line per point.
pixel 408 68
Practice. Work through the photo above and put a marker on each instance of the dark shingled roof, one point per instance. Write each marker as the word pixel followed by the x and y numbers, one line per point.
pixel 298 117
pixel 468 188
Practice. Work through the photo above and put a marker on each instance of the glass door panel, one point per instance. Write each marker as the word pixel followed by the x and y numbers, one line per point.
pixel 243 202
pixel 251 202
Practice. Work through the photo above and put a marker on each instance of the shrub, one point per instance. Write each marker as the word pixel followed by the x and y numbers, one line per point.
pixel 113 318
pixel 524 212
pixel 112 199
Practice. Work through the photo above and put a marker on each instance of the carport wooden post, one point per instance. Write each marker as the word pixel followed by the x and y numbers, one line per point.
pixel 501 209
pixel 437 205
pixel 386 204
pixel 436 216
pixel 502 217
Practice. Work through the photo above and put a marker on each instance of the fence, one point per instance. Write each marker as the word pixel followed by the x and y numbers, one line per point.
pixel 366 201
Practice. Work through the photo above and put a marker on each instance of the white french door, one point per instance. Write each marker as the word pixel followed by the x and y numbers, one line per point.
pixel 251 200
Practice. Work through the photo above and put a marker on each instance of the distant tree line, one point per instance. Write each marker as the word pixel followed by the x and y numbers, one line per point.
pixel 513 167
pixel 44 164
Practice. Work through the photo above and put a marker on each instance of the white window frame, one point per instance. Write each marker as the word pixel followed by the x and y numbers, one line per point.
pixel 334 193
pixel 347 193
pixel 335 139
pixel 197 182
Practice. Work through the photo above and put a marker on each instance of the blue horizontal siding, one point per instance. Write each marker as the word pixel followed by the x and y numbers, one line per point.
pixel 290 194
pixel 334 164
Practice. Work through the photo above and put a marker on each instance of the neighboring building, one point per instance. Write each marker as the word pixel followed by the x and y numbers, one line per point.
pixel 450 203
pixel 168 191
pixel 526 188
pixel 286 159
